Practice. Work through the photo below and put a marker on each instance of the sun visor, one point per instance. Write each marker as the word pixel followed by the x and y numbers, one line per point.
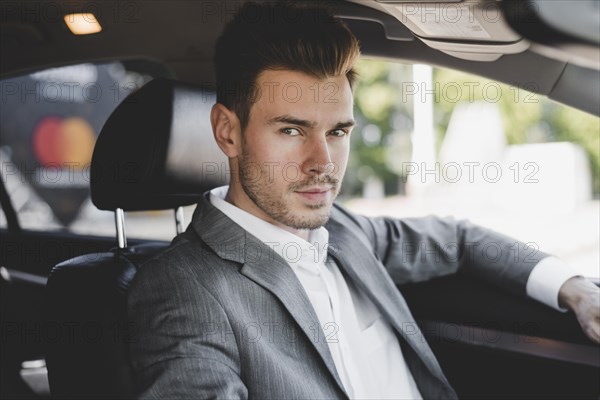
pixel 470 30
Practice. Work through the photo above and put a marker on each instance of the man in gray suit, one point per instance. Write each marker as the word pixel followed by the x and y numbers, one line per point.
pixel 276 292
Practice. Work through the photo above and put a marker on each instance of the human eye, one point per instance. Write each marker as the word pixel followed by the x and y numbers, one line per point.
pixel 290 131
pixel 338 133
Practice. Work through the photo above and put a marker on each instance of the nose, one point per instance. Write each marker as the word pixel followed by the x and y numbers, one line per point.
pixel 319 160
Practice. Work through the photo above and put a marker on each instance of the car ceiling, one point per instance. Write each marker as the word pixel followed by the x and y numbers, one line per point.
pixel 181 35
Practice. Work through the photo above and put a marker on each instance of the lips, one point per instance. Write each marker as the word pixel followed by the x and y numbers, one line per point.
pixel 320 189
pixel 315 194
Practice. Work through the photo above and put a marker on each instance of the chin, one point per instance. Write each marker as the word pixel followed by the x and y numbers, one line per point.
pixel 309 220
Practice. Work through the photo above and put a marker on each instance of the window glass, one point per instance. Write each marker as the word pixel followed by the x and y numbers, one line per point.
pixel 3 223
pixel 437 141
pixel 49 121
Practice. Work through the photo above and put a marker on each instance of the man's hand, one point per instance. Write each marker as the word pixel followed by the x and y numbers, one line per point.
pixel 583 298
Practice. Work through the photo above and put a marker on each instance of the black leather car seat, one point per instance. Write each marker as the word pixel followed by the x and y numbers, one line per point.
pixel 155 152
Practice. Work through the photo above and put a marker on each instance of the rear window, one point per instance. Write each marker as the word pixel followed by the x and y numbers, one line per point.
pixel 49 122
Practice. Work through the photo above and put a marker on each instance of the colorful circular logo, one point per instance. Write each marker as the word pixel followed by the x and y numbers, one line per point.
pixel 64 142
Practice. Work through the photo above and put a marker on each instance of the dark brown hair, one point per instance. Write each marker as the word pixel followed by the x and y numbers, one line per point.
pixel 279 36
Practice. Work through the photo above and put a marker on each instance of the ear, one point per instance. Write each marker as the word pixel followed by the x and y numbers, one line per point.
pixel 226 129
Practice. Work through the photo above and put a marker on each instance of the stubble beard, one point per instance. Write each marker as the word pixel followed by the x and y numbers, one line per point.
pixel 260 190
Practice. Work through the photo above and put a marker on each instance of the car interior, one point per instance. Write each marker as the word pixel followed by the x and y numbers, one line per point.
pixel 99 281
pixel 64 333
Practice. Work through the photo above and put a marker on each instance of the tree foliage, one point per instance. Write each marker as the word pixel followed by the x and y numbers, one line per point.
pixel 381 140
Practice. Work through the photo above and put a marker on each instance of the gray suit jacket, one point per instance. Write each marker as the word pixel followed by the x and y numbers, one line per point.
pixel 220 315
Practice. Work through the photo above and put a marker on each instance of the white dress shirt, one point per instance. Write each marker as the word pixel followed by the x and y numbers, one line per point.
pixel 363 345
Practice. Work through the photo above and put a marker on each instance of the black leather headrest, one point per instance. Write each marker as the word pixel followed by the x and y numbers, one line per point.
pixel 157 151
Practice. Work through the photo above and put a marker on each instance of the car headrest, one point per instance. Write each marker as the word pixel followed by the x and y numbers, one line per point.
pixel 156 151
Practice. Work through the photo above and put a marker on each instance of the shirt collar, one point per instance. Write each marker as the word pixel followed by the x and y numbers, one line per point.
pixel 298 252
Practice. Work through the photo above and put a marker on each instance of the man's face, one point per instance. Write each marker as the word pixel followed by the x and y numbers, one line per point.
pixel 295 149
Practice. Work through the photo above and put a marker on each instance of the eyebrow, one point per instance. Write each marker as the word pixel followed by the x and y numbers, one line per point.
pixel 288 119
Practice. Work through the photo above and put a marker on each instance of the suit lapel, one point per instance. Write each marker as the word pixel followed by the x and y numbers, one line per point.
pixel 266 268
pixel 275 275
pixel 360 265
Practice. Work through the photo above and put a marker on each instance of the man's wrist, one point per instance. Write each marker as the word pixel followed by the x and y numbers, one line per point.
pixel 546 279
pixel 573 291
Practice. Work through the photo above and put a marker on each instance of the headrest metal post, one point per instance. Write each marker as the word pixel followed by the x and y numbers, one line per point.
pixel 120 224
pixel 179 220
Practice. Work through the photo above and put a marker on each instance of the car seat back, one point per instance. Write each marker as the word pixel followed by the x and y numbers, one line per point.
pixel 155 152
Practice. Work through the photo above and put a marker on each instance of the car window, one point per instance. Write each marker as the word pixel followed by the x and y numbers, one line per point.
pixel 438 141
pixel 2 219
pixel 49 122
